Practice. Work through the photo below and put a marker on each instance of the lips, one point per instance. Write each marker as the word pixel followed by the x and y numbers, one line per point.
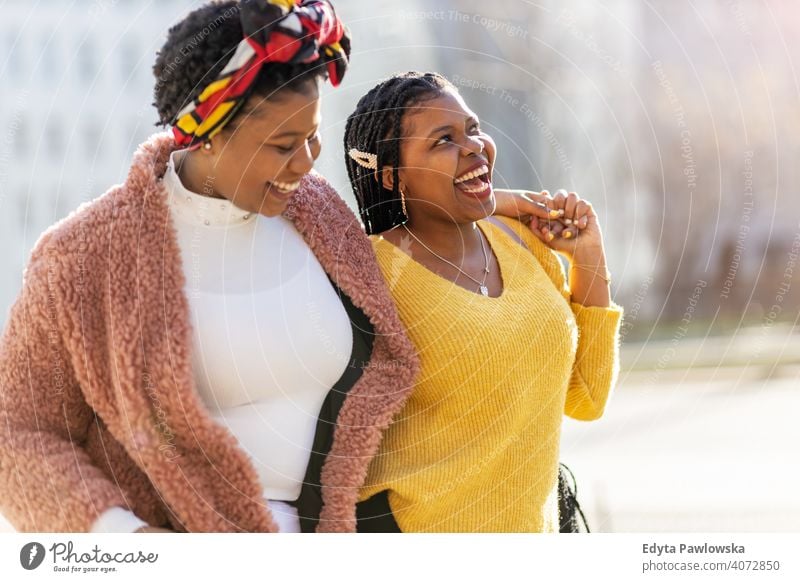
pixel 476 181
pixel 283 189
pixel 286 187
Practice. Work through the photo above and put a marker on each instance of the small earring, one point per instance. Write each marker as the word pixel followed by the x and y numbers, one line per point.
pixel 207 146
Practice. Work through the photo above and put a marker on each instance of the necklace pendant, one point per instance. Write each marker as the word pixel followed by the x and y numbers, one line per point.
pixel 484 291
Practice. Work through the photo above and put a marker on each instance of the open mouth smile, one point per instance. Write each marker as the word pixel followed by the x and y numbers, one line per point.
pixel 476 181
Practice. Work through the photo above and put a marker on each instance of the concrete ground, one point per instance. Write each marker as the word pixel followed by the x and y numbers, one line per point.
pixel 713 449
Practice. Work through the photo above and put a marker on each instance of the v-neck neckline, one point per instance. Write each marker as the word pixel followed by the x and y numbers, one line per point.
pixel 445 281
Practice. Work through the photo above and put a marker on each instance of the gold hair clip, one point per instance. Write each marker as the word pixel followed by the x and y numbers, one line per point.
pixel 364 159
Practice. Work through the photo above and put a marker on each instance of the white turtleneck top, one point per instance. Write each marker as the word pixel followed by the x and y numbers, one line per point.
pixel 270 337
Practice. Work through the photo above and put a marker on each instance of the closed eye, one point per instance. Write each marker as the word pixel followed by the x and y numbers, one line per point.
pixel 443 139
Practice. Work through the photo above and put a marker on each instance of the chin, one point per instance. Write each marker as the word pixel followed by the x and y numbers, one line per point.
pixel 275 206
pixel 271 210
pixel 485 208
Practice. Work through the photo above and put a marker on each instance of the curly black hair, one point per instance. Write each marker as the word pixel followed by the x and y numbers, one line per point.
pixel 376 127
pixel 198 48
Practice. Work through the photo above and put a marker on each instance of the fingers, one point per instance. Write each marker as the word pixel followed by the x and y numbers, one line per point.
pixel 518 203
pixel 577 212
pixel 536 228
pixel 575 216
pixel 582 211
pixel 569 207
pixel 559 229
pixel 538 204
pixel 567 201
pixel 570 231
pixel 560 200
pixel 553 230
pixel 568 214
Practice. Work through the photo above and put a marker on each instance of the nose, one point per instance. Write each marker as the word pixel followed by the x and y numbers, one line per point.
pixel 302 161
pixel 473 145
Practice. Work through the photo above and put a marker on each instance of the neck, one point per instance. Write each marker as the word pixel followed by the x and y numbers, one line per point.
pixel 446 238
pixel 196 174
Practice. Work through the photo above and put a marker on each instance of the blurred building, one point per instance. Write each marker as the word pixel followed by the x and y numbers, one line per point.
pixel 677 120
pixel 76 101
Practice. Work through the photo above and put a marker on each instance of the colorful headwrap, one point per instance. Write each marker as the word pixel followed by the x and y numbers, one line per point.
pixel 275 31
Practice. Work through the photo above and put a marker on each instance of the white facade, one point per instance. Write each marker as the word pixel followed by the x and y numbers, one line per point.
pixel 76 100
pixel 568 89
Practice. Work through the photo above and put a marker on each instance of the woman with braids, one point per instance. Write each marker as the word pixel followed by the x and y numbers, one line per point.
pixel 507 345
pixel 208 347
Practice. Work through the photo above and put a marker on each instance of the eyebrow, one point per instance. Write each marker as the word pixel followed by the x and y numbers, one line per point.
pixel 469 119
pixel 284 134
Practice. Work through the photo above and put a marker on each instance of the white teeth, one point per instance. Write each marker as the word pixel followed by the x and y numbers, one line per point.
pixel 473 174
pixel 474 190
pixel 286 186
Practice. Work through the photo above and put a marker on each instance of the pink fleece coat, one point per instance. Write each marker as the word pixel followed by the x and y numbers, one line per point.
pixel 98 406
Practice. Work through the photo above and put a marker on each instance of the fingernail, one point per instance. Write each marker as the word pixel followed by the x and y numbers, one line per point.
pixel 550 236
pixel 567 234
pixel 560 211
pixel 567 221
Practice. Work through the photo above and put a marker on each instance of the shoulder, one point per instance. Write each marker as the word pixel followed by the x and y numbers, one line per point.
pixel 546 257
pixel 522 230
pixel 77 231
pixel 316 197
pixel 316 184
pixel 83 235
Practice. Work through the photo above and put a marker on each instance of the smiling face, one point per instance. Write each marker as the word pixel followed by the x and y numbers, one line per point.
pixel 446 161
pixel 258 163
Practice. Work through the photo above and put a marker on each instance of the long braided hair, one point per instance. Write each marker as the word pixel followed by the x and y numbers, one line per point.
pixel 375 127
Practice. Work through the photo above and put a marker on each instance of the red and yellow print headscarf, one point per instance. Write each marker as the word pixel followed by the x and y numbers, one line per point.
pixel 275 31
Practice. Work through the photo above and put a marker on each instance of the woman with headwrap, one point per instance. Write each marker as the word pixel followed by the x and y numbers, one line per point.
pixel 209 346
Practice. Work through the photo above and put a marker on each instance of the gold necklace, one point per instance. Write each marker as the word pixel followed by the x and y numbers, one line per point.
pixel 481 284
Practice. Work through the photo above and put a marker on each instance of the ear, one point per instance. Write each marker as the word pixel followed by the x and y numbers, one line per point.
pixel 387 177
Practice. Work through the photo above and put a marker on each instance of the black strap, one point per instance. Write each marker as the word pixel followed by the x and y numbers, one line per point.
pixel 569 510
pixel 508 230
pixel 374 515
pixel 309 503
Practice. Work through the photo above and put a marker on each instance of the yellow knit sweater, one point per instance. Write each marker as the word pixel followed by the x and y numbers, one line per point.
pixel 475 449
